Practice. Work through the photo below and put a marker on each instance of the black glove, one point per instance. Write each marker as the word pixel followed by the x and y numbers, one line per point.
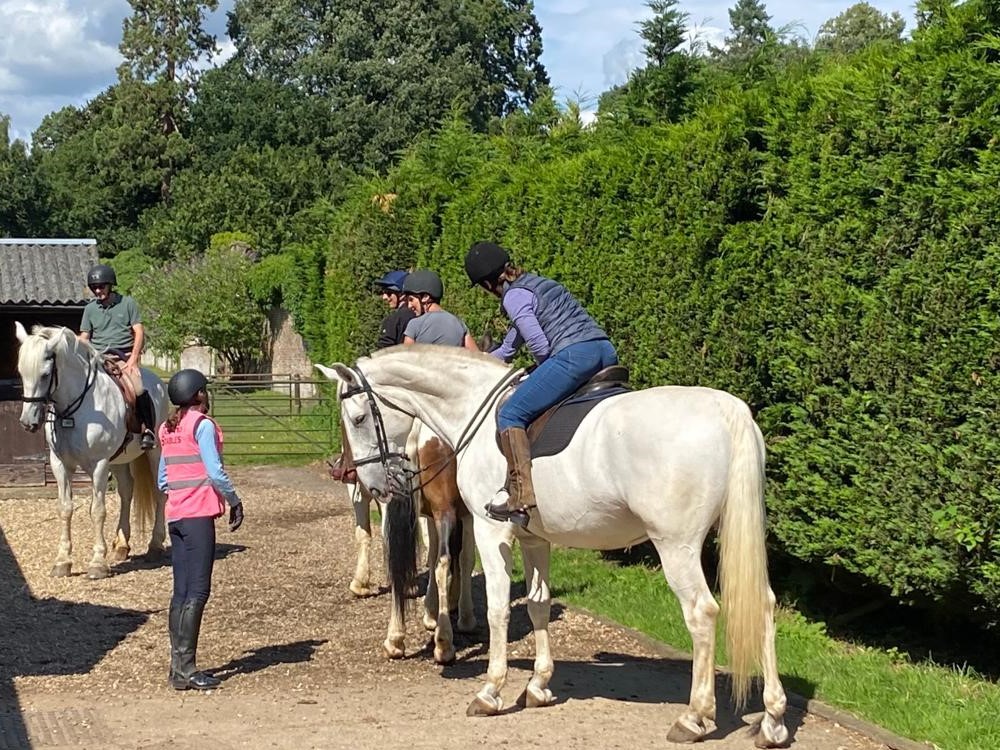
pixel 236 516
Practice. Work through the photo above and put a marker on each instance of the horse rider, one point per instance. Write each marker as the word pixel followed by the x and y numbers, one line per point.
pixel 390 287
pixel 198 489
pixel 111 323
pixel 565 341
pixel 432 324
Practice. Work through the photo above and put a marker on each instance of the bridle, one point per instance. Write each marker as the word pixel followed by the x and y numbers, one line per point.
pixel 385 454
pixel 75 404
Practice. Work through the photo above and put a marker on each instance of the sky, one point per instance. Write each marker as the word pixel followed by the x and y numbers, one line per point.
pixel 55 53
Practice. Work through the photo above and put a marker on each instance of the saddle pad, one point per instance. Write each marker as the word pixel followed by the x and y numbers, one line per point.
pixel 562 424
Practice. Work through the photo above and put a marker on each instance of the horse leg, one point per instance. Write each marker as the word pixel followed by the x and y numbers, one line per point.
pixel 493 542
pixel 98 566
pixel 431 598
pixel 361 583
pixel 158 537
pixel 466 564
pixel 681 562
pixel 536 554
pixel 771 731
pixel 64 555
pixel 444 641
pixel 120 548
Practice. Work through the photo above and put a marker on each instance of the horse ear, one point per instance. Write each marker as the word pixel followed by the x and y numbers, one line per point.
pixel 339 373
pixel 19 332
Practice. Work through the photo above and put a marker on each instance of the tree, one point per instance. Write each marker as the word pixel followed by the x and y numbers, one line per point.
pixel 162 43
pixel 392 70
pixel 858 27
pixel 17 185
pixel 660 90
pixel 207 300
pixel 744 51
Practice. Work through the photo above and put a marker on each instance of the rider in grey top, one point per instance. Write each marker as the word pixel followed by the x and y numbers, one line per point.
pixel 432 324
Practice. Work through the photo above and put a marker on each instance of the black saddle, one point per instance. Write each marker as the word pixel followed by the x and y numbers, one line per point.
pixel 552 431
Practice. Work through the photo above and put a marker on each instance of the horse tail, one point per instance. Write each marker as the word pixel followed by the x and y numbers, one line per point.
pixel 143 492
pixel 401 545
pixel 747 600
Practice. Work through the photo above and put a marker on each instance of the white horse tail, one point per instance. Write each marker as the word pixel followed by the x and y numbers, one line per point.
pixel 144 491
pixel 742 554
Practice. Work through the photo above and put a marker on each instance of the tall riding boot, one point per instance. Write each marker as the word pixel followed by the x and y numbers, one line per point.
pixel 187 675
pixel 511 502
pixel 174 625
pixel 147 419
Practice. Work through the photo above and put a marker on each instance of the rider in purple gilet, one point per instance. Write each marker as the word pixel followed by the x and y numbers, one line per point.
pixel 565 341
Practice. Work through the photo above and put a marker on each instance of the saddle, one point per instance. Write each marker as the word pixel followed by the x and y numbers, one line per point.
pixel 553 430
pixel 113 367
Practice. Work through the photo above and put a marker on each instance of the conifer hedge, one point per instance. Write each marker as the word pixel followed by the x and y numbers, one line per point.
pixel 823 246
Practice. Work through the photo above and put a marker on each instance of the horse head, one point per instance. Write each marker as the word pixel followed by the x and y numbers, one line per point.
pixel 373 434
pixel 36 365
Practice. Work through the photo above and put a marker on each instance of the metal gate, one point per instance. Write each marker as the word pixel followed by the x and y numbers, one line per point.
pixel 268 417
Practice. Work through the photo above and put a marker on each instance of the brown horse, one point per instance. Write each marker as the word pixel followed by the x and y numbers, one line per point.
pixel 448 520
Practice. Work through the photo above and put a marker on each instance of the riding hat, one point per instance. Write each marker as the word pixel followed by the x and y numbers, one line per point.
pixel 391 282
pixel 101 274
pixel 184 386
pixel 485 261
pixel 424 282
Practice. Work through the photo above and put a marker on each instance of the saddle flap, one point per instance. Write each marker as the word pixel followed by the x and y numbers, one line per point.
pixel 113 367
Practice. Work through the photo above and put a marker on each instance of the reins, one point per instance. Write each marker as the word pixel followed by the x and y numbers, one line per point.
pixel 75 404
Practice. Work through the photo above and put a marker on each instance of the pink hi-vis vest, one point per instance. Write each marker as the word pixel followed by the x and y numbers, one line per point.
pixel 190 493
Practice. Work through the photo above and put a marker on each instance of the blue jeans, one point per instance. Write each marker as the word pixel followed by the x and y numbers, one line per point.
pixel 555 379
pixel 192 555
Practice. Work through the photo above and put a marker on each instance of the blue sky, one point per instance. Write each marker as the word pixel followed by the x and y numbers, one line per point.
pixel 59 52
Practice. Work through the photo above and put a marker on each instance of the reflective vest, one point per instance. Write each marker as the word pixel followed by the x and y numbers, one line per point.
pixel 190 493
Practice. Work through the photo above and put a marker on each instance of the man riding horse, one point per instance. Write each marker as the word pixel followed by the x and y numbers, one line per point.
pixel 111 323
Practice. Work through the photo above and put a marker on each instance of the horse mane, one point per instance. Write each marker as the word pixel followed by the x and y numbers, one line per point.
pixel 64 344
pixel 437 351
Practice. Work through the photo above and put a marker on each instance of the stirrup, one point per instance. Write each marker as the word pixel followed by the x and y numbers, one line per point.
pixel 148 441
pixel 518 517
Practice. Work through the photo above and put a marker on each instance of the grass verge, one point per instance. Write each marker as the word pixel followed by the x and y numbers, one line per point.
pixel 953 709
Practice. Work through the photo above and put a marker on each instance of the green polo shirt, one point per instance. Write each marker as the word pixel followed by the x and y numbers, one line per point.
pixel 110 326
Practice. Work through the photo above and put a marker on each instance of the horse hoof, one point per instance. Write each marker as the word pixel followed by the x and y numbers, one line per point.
pixel 360 590
pixel 119 554
pixel 444 656
pixel 392 652
pixel 683 733
pixel 535 698
pixel 97 572
pixel 482 706
pixel 769 733
pixel 430 624
pixel 466 625
pixel 60 570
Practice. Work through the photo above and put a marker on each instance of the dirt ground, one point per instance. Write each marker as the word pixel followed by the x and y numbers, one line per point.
pixel 83 663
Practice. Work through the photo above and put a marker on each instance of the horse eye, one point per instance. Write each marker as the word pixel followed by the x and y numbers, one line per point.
pixel 358 420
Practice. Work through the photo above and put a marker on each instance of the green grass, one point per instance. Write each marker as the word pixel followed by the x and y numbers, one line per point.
pixel 267 427
pixel 954 709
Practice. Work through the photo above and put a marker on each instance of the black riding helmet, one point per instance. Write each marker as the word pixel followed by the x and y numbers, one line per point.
pixel 101 274
pixel 184 386
pixel 485 261
pixel 424 282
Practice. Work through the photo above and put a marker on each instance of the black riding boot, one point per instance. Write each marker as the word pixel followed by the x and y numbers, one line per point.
pixel 174 625
pixel 147 418
pixel 187 676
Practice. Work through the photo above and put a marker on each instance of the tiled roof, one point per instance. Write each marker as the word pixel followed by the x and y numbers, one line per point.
pixel 54 272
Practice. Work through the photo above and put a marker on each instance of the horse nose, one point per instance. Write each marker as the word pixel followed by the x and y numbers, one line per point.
pixel 29 425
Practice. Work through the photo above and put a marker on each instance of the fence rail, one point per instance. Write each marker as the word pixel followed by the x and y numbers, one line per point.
pixel 269 416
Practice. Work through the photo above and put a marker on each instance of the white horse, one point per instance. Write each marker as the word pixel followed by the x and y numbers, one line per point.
pixel 665 464
pixel 66 388
pixel 437 509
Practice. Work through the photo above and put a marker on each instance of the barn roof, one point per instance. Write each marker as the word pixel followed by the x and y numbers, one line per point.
pixel 45 271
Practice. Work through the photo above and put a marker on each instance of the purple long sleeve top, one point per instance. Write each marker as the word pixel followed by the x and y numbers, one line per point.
pixel 519 304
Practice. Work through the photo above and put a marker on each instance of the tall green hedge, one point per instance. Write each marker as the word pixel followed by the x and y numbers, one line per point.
pixel 822 245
